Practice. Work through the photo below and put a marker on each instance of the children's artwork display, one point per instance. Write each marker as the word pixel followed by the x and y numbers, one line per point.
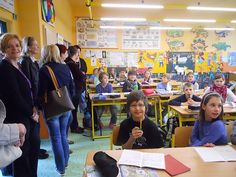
pixel 232 59
pixel 89 35
pixel 180 62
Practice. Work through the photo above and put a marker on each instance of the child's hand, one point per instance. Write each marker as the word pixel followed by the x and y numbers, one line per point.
pixel 190 101
pixel 136 132
pixel 209 145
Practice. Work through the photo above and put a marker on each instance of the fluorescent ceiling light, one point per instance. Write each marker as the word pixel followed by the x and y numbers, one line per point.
pixel 170 28
pixel 211 8
pixel 137 6
pixel 233 21
pixel 220 29
pixel 190 20
pixel 124 19
pixel 118 27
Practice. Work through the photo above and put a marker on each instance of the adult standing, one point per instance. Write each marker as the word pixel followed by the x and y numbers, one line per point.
pixel 16 94
pixel 79 80
pixel 58 124
pixel 30 68
pixel 82 67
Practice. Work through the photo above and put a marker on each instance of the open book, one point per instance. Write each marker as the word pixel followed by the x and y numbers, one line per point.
pixel 217 153
pixel 142 159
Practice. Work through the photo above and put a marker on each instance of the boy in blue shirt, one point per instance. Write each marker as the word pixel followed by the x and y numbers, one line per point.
pixel 106 87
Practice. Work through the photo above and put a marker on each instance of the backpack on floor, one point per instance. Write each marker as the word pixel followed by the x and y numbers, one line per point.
pixel 172 123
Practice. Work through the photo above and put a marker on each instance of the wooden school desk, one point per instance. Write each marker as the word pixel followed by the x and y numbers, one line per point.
pixel 189 157
pixel 114 101
pixel 186 115
pixel 118 88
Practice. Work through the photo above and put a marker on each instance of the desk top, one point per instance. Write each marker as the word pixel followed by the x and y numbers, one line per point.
pixel 187 156
pixel 122 97
pixel 185 111
pixel 152 85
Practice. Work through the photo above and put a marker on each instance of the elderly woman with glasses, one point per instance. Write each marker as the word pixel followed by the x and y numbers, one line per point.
pixel 137 131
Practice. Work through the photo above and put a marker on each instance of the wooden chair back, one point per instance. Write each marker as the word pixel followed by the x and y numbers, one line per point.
pixel 182 135
pixel 114 136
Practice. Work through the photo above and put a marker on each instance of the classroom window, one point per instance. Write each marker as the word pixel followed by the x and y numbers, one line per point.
pixel 3 27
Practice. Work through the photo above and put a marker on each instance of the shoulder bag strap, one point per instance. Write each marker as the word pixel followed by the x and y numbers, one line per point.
pixel 54 80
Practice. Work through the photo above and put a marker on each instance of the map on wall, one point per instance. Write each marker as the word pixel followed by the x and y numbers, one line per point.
pixel 89 36
pixel 141 38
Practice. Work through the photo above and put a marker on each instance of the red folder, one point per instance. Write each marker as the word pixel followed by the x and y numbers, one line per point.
pixel 174 167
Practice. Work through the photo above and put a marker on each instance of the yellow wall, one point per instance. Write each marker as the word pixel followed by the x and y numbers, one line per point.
pixel 6 16
pixel 29 20
pixel 64 21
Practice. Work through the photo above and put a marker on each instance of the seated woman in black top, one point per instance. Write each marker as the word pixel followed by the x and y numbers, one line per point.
pixel 137 131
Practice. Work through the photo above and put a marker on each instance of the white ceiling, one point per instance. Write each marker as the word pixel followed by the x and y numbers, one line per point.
pixel 172 9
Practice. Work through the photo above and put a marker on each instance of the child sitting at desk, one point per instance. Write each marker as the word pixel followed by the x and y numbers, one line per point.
pixel 131 84
pixel 190 78
pixel 95 71
pixel 122 76
pixel 147 78
pixel 106 87
pixel 112 73
pixel 209 129
pixel 96 79
pixel 187 98
pixel 137 131
pixel 165 84
pixel 219 87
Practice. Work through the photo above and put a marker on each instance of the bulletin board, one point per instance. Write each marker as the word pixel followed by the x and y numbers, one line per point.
pixel 141 38
pixel 89 35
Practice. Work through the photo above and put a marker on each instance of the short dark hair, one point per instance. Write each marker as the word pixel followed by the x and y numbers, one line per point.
pixel 132 73
pixel 72 51
pixel 136 96
pixel 101 76
pixel 78 47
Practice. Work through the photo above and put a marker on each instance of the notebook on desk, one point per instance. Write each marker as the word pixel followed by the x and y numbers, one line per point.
pixel 174 167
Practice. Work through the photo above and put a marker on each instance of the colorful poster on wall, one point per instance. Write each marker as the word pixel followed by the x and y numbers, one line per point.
pixel 232 59
pixel 180 62
pixel 89 35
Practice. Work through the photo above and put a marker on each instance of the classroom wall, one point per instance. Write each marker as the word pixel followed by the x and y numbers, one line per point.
pixel 29 20
pixel 12 25
pixel 63 23
pixel 212 43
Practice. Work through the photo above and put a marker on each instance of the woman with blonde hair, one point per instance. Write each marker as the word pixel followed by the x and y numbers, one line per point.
pixel 57 125
pixel 16 94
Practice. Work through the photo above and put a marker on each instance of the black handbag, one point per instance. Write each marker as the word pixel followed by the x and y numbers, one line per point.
pixel 57 101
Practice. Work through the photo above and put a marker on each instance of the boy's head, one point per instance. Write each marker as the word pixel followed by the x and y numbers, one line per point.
pixel 103 78
pixel 95 70
pixel 190 76
pixel 188 89
pixel 132 75
pixel 165 78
